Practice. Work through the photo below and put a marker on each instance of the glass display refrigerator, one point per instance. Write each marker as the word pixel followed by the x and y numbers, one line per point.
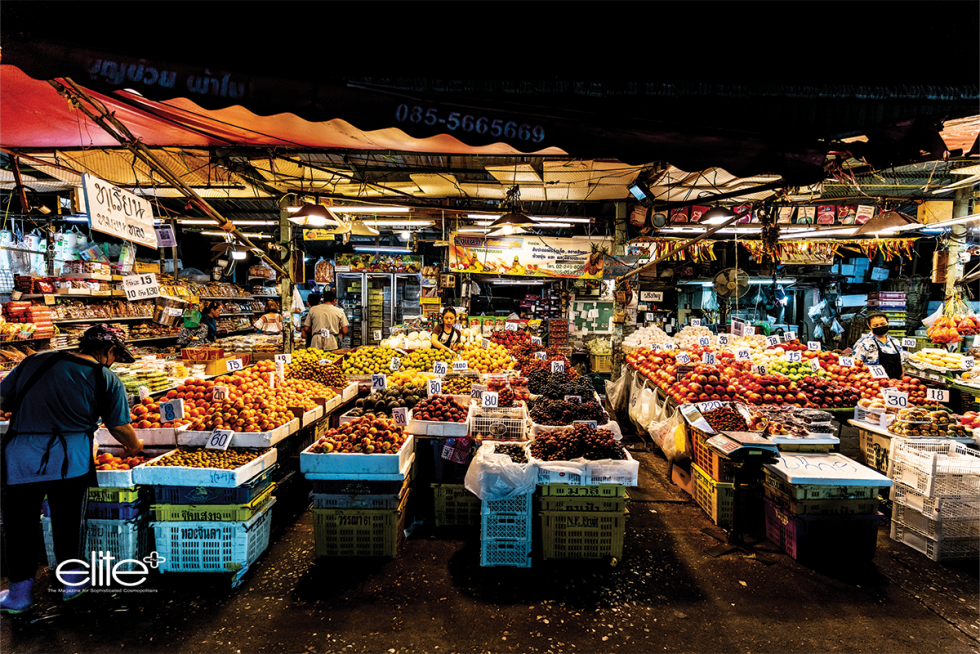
pixel 351 298
pixel 408 297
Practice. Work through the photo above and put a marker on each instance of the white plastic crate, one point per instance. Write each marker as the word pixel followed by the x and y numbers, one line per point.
pixel 936 467
pixel 213 546
pixel 124 539
pixel 935 529
pixel 499 424
pixel 937 508
pixel 945 549
pixel 509 553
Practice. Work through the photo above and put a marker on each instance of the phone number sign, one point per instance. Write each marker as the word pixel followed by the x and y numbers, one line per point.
pixel 117 212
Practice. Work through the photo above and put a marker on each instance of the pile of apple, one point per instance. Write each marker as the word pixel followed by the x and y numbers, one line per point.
pixel 440 408
pixel 511 339
pixel 368 434
pixel 829 394
pixel 970 420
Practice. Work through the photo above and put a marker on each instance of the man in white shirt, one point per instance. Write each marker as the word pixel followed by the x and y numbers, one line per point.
pixel 325 322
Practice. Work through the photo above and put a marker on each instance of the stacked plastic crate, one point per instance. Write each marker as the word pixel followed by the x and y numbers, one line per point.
pixel 892 304
pixel 822 506
pixel 209 519
pixel 936 498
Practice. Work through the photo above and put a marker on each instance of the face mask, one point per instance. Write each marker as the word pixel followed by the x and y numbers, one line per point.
pixel 881 330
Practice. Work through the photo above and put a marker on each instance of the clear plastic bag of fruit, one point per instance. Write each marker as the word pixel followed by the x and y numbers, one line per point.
pixel 493 477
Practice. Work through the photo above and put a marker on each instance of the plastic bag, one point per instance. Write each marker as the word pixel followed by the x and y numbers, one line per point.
pixel 636 389
pixel 934 317
pixel 663 430
pixel 298 306
pixel 645 411
pixel 493 477
pixel 617 392
pixel 675 439
pixel 818 332
pixel 836 327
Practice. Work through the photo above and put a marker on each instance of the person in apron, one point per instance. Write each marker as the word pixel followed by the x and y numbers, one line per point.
pixel 446 336
pixel 326 322
pixel 880 349
pixel 57 400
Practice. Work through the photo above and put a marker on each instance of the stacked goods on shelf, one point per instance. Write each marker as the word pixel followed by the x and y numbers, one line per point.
pixel 936 506
pixel 377 299
pixel 558 332
pixel 212 508
pixel 359 472
pixel 505 525
pixel 582 475
pixel 23 321
pixel 822 506
pixel 892 305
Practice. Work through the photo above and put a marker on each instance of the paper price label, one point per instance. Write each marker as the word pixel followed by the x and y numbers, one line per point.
pixel 219 394
pixel 395 364
pixel 435 387
pixel 895 399
pixel 536 340
pixel 648 317
pixel 220 439
pixel 171 410
pixel 708 358
pixel 141 287
pixel 377 334
pixel 461 366
pixel 814 365
pixel 656 347
pixel 323 362
pixel 541 355
pixel 759 370
pixel 557 366
pixel 591 424
pixel 908 343
pixel 477 390
pixel 748 330
pixel 440 368
pixel 937 395
pixel 847 362
pixel 235 364
pixel 284 358
pixel 490 399
pixel 325 333
pixel 281 371
pixel 789 336
pixel 669 345
pixel 683 358
pixel 772 341
pixel 878 372
pixel 49 299
pixel 743 355
pixel 695 322
pixel 722 339
pixel 654 296
pixel 271 378
pixel 574 398
pixel 704 341
pixel 794 357
pixel 813 346
pixel 144 392
pixel 486 344
pixel 378 382
pixel 585 332
pixel 968 363
pixel 510 327
pixel 708 406
pixel 400 415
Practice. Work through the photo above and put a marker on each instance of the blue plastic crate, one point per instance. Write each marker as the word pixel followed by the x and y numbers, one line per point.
pixel 211 495
pixel 505 553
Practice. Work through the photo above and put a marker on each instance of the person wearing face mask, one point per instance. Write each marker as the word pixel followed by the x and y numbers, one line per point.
pixel 880 349
pixel 57 400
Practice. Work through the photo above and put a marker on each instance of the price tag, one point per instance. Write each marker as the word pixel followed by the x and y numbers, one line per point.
pixel 220 439
pixel 486 344
pixel 878 372
pixel 141 287
pixel 695 322
pixel 541 355
pixel 591 424
pixel 400 415
pixel 219 393
pixel 395 364
pixel 378 382
pixel 49 300
pixel 510 326
pixel 281 372
pixel 285 358
pixel 557 366
pixel 477 390
pixel 656 347
pixel 847 362
pixel 968 363
pixel 536 340
pixel 708 358
pixel 16 295
pixel 815 365
pixel 722 339
pixel 813 346
pixel 461 366
pixel 377 334
pixel 435 387
pixel 704 341
pixel 908 343
pixel 895 399
pixel 144 392
pixel 235 364
pixel 440 368
pixel 585 332
pixel 937 395
pixel 323 362
pixel 648 317
pixel 743 354
pixel 789 336
pixel 670 345
pixel 759 370
pixel 794 357
pixel 574 398
pixel 772 341
pixel 490 399
pixel 325 333
pixel 708 406
pixel 683 358
pixel 171 410
pixel 748 330
pixel 271 379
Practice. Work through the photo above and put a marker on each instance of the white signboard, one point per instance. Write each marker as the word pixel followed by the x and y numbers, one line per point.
pixel 847 362
pixel 878 372
pixel 651 296
pixel 789 336
pixel 937 395
pixel 141 287
pixel 117 212
pixel 490 400
pixel 695 322
pixel 557 366
pixel 813 346
pixel 895 398
pixel 708 358
pixel 220 439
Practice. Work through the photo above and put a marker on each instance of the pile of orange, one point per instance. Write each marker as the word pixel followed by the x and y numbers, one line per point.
pixel 494 358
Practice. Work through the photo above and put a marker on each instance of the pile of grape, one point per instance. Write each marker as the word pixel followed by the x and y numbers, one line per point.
pixel 581 441
pixel 514 450
pixel 560 412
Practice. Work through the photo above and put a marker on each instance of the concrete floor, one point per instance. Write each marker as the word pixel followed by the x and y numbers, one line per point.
pixel 667 594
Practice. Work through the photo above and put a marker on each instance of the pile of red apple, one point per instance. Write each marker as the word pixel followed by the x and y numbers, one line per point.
pixel 829 394
pixel 440 408
pixel 511 339
pixel 368 434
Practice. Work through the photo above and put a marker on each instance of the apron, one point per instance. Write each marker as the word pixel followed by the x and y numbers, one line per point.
pixel 319 342
pixel 892 363
pixel 57 437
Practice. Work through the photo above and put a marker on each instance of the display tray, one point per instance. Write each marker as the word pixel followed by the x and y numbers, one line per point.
pixel 240 439
pixel 311 416
pixel 399 476
pixel 150 437
pixel 183 476
pixel 123 478
pixel 356 464
pixel 438 428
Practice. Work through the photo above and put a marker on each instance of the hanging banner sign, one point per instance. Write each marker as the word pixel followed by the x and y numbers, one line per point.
pixel 527 257
pixel 117 212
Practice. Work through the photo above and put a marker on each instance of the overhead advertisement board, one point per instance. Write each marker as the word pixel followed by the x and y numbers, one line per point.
pixel 528 256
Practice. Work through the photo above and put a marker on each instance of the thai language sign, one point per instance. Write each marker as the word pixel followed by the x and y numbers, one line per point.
pixel 117 212
pixel 530 256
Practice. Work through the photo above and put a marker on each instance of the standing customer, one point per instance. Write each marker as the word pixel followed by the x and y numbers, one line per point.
pixel 313 299
pixel 447 335
pixel 271 320
pixel 880 349
pixel 325 322
pixel 57 400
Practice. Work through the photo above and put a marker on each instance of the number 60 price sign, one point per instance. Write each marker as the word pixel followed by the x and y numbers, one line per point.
pixel 219 439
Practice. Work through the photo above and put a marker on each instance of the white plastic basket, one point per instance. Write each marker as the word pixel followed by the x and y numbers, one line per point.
pixel 124 539
pixel 946 549
pixel 937 508
pixel 935 467
pixel 935 529
pixel 499 424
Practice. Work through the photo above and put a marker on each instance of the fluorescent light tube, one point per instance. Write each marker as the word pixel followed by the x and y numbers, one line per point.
pixel 247 235
pixel 378 248
pixel 364 209
pixel 195 221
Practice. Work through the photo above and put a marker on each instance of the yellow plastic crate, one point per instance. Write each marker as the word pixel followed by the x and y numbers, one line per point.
pixel 582 535
pixel 597 490
pixel 113 494
pixel 601 363
pixel 715 497
pixel 354 532
pixel 455 506
pixel 213 512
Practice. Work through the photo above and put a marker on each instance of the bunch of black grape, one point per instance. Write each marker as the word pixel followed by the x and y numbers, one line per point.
pixel 581 386
pixel 560 412
pixel 537 380
pixel 581 441
pixel 514 450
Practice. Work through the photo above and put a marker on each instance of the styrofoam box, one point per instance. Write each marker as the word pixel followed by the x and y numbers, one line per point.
pixel 164 437
pixel 350 392
pixel 612 426
pixel 312 416
pixel 589 473
pixel 436 428
pixel 332 404
pixel 352 476
pixel 181 476
pixel 122 478
pixel 825 470
pixel 241 439
pixel 369 464
pixel 293 426
pixel 344 419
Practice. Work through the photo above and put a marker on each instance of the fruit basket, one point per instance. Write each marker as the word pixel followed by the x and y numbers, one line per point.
pixel 499 424
pixel 157 472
